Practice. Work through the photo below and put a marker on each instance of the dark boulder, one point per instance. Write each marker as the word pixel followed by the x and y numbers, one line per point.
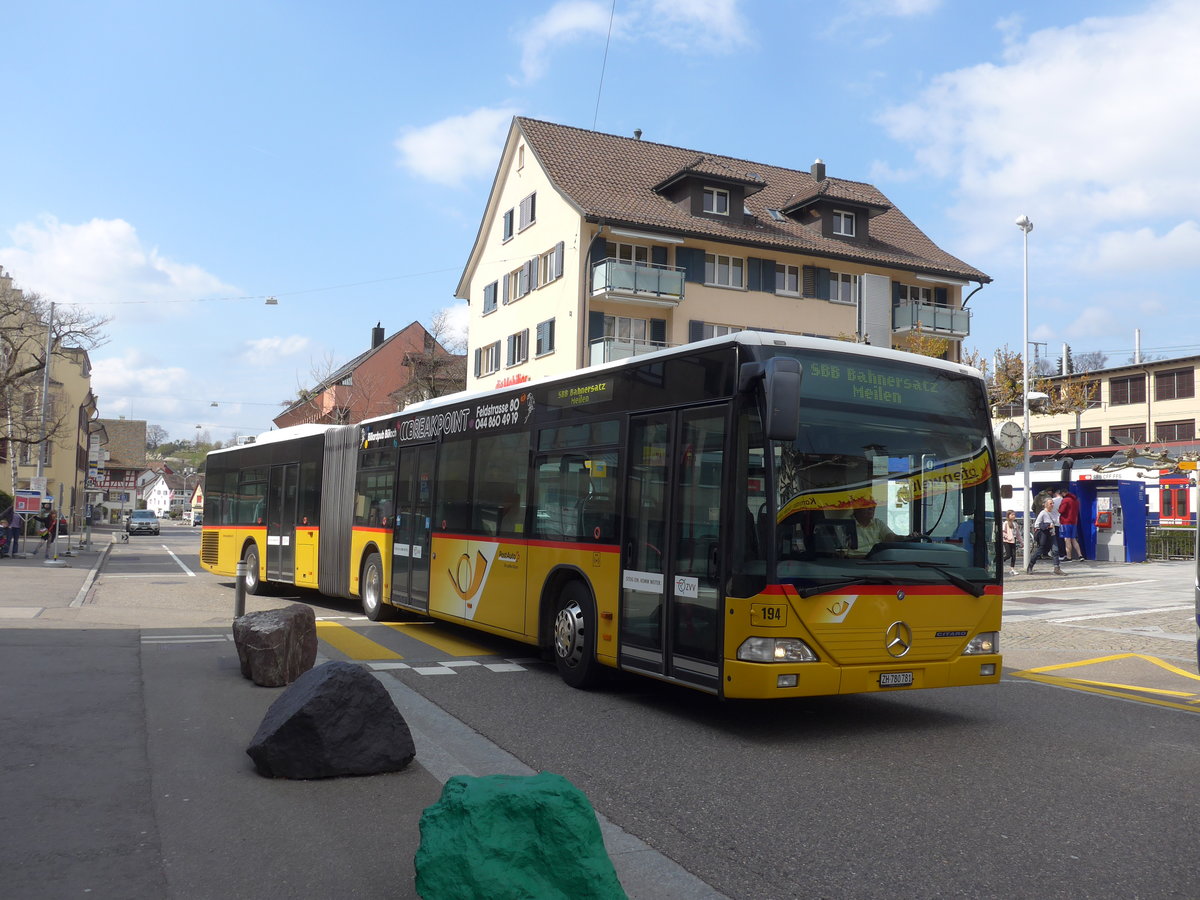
pixel 513 836
pixel 336 719
pixel 276 646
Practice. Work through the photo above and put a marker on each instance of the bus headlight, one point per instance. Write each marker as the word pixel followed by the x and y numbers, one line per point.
pixel 761 649
pixel 984 642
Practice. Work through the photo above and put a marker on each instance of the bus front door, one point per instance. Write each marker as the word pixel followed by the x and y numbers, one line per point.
pixel 670 581
pixel 281 522
pixel 410 540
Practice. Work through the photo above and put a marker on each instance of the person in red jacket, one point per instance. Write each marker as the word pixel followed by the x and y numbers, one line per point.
pixel 1068 519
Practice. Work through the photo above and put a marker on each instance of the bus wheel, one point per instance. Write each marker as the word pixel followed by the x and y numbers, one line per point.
pixel 371 589
pixel 253 582
pixel 574 636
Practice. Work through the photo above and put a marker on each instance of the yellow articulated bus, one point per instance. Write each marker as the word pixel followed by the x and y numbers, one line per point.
pixel 755 516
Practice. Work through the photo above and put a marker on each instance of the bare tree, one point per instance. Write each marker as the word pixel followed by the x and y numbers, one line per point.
pixel 440 368
pixel 155 435
pixel 1090 361
pixel 25 320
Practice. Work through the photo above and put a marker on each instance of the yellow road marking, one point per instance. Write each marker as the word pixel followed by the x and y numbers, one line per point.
pixel 353 644
pixel 1123 691
pixel 426 633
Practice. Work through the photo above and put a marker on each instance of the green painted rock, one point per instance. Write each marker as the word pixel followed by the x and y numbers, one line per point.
pixel 506 837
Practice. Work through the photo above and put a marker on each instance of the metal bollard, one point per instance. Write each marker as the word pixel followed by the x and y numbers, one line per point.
pixel 239 592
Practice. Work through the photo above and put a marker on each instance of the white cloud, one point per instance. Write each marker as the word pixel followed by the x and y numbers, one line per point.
pixel 1126 250
pixel 457 148
pixel 138 385
pixel 710 26
pixel 266 352
pixel 1085 128
pixel 102 264
pixel 563 22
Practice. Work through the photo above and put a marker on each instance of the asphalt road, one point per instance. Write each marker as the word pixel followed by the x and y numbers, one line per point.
pixel 1072 778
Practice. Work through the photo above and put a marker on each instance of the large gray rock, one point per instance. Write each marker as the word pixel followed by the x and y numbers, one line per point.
pixel 276 646
pixel 337 719
pixel 513 836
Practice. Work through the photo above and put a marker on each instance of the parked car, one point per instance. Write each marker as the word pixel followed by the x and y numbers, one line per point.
pixel 197 518
pixel 142 521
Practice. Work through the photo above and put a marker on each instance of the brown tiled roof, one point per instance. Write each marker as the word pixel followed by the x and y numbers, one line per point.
pixel 613 179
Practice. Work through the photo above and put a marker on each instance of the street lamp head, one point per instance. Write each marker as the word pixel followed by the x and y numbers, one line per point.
pixel 1025 224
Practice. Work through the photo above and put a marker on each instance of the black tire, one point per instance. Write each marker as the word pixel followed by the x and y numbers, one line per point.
pixel 254 584
pixel 370 588
pixel 573 636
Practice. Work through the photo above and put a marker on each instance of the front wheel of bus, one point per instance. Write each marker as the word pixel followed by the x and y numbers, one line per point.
pixel 371 589
pixel 575 636
pixel 253 581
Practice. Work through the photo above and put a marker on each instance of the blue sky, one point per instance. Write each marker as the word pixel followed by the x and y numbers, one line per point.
pixel 172 164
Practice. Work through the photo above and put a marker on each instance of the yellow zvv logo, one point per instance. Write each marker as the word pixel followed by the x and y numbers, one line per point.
pixel 469 575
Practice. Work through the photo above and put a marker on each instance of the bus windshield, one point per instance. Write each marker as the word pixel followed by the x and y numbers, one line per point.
pixel 889 481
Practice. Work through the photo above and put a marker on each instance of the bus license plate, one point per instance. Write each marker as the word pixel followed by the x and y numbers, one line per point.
pixel 896 679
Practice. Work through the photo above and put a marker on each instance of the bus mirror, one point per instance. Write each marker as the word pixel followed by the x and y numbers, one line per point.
pixel 1067 463
pixel 781 377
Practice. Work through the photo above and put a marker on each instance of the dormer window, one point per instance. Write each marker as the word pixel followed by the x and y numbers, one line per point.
pixel 716 201
pixel 843 223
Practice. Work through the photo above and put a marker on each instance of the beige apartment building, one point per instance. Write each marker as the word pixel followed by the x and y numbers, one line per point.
pixel 594 247
pixel 1149 403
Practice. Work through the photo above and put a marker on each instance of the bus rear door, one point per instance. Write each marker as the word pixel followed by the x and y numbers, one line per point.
pixel 670 581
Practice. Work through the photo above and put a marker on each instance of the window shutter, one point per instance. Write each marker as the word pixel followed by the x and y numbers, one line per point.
pixel 598 252
pixel 478 361
pixel 533 273
pixel 558 259
pixel 816 282
pixel 658 256
pixel 695 331
pixel 768 275
pixel 504 290
pixel 691 260
pixel 658 331
pixel 753 274
pixel 595 325
pixel 512 349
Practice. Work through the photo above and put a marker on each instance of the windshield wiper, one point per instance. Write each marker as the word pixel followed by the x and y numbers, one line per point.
pixel 971 587
pixel 843 582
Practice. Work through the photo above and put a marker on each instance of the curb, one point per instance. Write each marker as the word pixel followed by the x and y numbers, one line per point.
pixel 91 578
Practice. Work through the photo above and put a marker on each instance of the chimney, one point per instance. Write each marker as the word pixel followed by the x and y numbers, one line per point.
pixel 1137 346
pixel 637 134
pixel 818 169
pixel 376 335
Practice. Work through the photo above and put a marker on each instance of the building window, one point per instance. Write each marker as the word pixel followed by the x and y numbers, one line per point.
pixel 508 225
pixel 712 330
pixel 528 212
pixel 545 338
pixel 1130 389
pixel 1091 391
pixel 776 215
pixel 1127 434
pixel 915 294
pixel 716 201
pixel 843 223
pixel 487 359
pixel 627 329
pixel 629 253
pixel 843 288
pixel 1085 437
pixel 1174 385
pixel 489 298
pixel 518 347
pixel 520 157
pixel 1045 440
pixel 1175 431
pixel 546 267
pixel 787 279
pixel 725 271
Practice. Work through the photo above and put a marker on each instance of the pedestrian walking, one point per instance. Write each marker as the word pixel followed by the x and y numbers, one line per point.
pixel 1044 528
pixel 1009 533
pixel 1068 520
pixel 48 529
pixel 14 533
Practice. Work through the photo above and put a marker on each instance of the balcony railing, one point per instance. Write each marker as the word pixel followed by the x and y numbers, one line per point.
pixel 608 349
pixel 637 282
pixel 931 317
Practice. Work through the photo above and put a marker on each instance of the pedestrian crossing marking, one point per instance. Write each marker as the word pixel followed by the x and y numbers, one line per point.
pixel 427 633
pixel 353 644
pixel 1111 689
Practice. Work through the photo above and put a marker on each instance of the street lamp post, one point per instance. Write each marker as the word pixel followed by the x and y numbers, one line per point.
pixel 1026 226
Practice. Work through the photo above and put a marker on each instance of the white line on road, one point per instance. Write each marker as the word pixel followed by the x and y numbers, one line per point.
pixel 191 574
pixel 1129 612
pixel 1083 587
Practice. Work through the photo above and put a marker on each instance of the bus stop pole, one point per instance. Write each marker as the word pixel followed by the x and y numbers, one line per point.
pixel 239 592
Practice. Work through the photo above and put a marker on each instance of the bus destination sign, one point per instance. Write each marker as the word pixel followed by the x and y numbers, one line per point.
pixel 582 394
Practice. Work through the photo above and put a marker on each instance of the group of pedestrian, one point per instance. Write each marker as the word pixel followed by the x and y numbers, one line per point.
pixel 1055 532
pixel 11 524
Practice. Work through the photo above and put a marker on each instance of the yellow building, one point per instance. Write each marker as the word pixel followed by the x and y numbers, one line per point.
pixel 594 247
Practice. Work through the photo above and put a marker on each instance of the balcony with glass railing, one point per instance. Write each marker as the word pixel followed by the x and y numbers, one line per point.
pixel 611 348
pixel 945 321
pixel 644 283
